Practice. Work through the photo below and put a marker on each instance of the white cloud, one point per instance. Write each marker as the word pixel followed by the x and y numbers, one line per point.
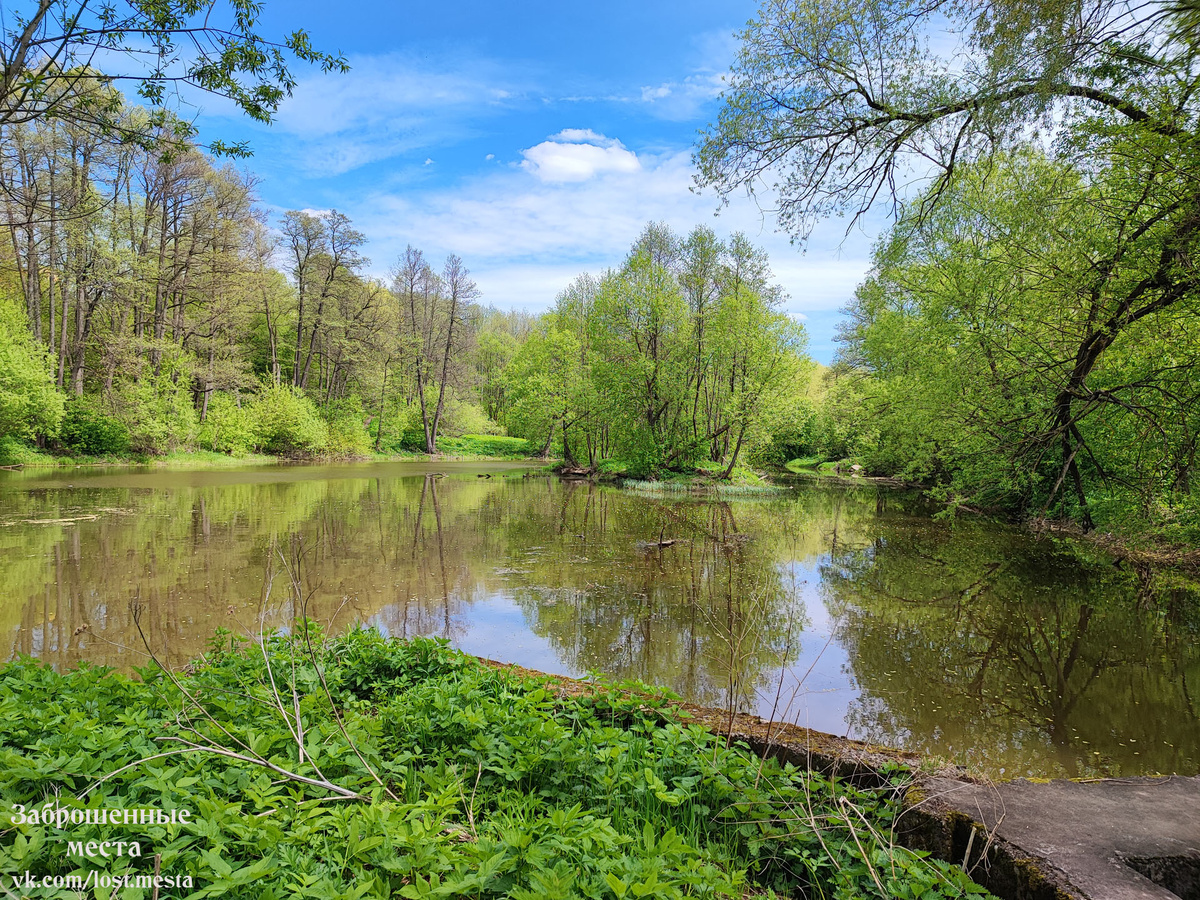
pixel 525 235
pixel 576 154
pixel 385 106
pixel 683 99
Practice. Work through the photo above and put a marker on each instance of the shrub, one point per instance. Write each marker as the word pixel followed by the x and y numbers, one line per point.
pixel 227 427
pixel 460 417
pixel 286 422
pixel 347 430
pixel 29 402
pixel 157 412
pixel 87 429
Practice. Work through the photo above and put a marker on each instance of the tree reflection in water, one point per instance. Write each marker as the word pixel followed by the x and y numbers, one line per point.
pixel 1018 655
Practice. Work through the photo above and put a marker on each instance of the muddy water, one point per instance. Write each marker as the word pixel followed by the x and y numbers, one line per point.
pixel 848 610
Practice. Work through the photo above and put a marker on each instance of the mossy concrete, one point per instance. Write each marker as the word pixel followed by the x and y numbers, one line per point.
pixel 1104 839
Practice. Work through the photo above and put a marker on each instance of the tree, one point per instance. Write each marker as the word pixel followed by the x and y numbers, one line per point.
pixel 48 58
pixel 461 293
pixel 542 384
pixel 818 114
pixel 436 314
pixel 832 125
pixel 982 316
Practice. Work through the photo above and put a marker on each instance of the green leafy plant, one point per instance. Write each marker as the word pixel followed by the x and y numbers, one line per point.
pixel 365 767
pixel 87 429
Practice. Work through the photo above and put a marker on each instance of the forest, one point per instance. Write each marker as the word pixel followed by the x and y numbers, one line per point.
pixel 1025 343
pixel 149 306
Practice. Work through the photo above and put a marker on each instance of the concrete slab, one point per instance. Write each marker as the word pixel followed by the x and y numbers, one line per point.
pixel 1090 831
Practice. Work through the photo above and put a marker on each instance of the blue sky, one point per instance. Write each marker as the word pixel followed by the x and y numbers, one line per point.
pixel 533 139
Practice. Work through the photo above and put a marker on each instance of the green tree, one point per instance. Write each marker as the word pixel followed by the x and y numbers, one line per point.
pixel 542 384
pixel 47 57
pixel 29 404
pixel 981 315
pixel 818 114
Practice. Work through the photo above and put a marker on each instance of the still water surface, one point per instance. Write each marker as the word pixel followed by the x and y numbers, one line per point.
pixel 845 609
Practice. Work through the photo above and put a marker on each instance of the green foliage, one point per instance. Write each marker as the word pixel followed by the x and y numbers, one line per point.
pixel 87 429
pixel 29 403
pixel 462 417
pixel 979 362
pixel 1027 341
pixel 286 422
pixel 486 445
pixel 157 411
pixel 492 786
pixel 227 427
pixel 347 434
pixel 679 356
pixel 15 452
pixel 226 55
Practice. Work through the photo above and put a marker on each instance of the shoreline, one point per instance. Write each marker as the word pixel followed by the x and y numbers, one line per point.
pixel 202 459
pixel 1138 549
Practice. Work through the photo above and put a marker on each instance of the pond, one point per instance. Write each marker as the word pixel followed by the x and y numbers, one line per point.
pixel 846 609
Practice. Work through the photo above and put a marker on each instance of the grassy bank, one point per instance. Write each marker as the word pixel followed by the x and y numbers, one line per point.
pixel 704 477
pixel 360 767
pixel 464 447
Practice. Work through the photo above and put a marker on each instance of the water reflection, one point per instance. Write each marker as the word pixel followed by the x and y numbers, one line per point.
pixel 847 610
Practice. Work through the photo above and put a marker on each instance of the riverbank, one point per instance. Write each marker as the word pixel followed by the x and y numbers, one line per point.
pixel 1042 839
pixel 1168 548
pixel 408 769
pixel 474 448
pixel 703 478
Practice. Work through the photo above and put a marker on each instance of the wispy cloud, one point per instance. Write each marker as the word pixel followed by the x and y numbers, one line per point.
pixel 526 236
pixel 681 100
pixel 387 106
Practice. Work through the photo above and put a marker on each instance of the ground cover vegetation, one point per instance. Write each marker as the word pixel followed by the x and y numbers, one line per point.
pixel 1026 341
pixel 364 767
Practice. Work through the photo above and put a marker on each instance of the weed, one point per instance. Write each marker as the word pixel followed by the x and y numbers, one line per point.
pixel 360 766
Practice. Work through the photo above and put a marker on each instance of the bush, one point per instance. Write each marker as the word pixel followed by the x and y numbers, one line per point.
pixel 347 430
pixel 29 402
pixel 227 427
pixel 157 412
pixel 286 422
pixel 460 417
pixel 86 429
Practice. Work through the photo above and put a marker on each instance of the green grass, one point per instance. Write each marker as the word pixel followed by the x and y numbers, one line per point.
pixel 16 453
pixel 428 775
pixel 491 446
pixel 804 462
pixel 807 465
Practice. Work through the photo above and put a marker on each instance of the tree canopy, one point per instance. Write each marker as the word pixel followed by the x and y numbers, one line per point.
pixel 836 105
pixel 1025 339
pixel 58 57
